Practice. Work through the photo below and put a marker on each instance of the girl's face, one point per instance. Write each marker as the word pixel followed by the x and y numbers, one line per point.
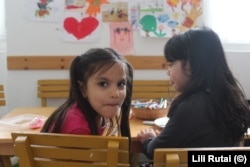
pixel 106 91
pixel 179 76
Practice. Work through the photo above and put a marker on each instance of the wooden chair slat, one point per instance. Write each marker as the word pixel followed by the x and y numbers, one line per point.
pixel 151 82
pixel 24 159
pixel 69 141
pixel 59 150
pixel 78 154
pixel 55 163
pixel 2 96
pixel 112 154
pixel 2 103
pixel 149 89
pixel 152 89
pixel 53 94
pixel 54 88
pixel 53 82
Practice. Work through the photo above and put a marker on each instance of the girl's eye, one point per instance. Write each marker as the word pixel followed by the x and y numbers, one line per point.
pixel 170 64
pixel 122 84
pixel 103 84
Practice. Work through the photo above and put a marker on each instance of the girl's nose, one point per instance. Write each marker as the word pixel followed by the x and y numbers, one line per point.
pixel 115 93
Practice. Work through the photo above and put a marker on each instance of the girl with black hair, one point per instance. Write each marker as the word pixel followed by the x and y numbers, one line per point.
pixel 211 109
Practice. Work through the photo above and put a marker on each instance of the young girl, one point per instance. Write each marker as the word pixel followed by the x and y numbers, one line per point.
pixel 211 110
pixel 99 96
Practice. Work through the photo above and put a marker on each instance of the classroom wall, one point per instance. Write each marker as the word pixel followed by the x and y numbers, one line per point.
pixel 41 38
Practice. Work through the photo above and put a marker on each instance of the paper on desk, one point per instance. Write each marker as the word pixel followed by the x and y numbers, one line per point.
pixel 24 121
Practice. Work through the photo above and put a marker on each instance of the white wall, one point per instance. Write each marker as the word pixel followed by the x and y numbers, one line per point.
pixel 41 38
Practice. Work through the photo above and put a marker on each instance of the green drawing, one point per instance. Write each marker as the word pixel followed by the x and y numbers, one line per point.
pixel 149 24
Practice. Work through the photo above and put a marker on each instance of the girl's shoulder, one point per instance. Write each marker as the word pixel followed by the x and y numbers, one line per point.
pixel 200 96
pixel 74 111
pixel 194 105
pixel 199 99
pixel 75 121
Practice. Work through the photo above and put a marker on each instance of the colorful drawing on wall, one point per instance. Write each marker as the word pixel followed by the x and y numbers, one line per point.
pixel 75 4
pixel 150 27
pixel 160 18
pixel 193 12
pixel 121 38
pixel 152 5
pixel 78 26
pixel 134 7
pixel 115 12
pixel 94 7
pixel 80 29
pixel 44 10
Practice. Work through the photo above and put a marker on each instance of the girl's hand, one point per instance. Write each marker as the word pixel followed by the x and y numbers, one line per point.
pixel 146 134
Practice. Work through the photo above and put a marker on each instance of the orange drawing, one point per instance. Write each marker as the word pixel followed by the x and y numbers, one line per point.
pixel 95 7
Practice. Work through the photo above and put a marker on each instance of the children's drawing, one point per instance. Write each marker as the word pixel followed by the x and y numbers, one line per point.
pixel 79 26
pixel 165 18
pixel 115 12
pixel 43 10
pixel 94 7
pixel 80 29
pixel 121 37
pixel 152 6
pixel 75 4
pixel 172 3
pixel 134 7
pixel 193 11
pixel 150 26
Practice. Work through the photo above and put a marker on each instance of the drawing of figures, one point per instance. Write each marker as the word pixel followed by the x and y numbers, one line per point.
pixel 44 9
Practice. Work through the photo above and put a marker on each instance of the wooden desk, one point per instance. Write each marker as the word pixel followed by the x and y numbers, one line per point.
pixel 6 143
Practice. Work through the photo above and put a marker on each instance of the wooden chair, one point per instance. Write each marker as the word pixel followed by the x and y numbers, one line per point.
pixel 178 157
pixel 150 89
pixel 2 97
pixel 56 88
pixel 64 150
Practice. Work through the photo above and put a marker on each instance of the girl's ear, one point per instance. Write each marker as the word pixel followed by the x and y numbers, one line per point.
pixel 82 88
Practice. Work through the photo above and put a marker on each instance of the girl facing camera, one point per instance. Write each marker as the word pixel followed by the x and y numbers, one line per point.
pixel 99 96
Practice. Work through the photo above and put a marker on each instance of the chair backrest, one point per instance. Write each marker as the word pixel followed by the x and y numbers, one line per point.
pixel 142 89
pixel 178 157
pixel 56 88
pixel 66 150
pixel 2 97
pixel 152 89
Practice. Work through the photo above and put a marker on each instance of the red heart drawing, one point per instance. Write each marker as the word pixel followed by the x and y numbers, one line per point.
pixel 80 29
